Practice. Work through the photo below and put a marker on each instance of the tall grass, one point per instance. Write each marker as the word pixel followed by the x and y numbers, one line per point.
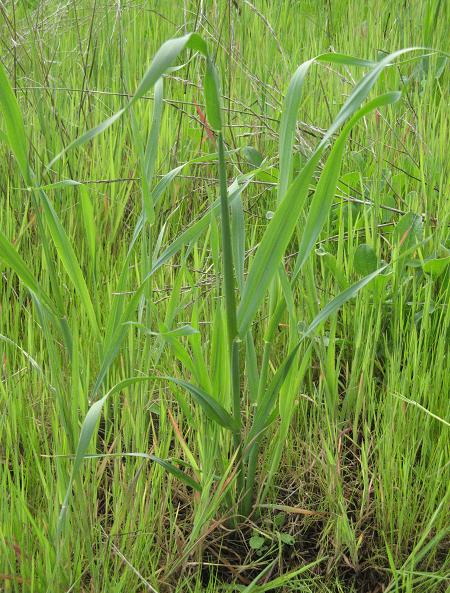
pixel 237 384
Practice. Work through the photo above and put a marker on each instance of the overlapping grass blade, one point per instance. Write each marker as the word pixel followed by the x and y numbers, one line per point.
pixel 323 196
pixel 12 258
pixel 151 152
pixel 69 259
pixel 213 410
pixel 361 90
pixel 164 463
pixel 163 60
pixel 123 314
pixel 15 130
pixel 282 225
pixel 272 247
pixel 265 415
pixel 87 431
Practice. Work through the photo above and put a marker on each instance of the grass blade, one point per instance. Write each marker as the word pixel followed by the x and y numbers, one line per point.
pixel 87 431
pixel 69 259
pixel 12 258
pixel 162 61
pixel 282 225
pixel 213 410
pixel 164 463
pixel 15 130
pixel 326 187
pixel 288 125
pixel 272 247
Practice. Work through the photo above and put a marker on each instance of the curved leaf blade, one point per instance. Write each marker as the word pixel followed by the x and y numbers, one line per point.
pixel 162 61
pixel 87 431
pixel 326 187
pixel 15 129
pixel 213 410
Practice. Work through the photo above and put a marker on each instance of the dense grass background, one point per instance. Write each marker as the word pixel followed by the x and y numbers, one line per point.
pixel 364 475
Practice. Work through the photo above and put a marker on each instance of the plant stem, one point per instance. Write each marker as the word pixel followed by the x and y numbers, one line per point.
pixel 254 449
pixel 230 300
pixel 230 307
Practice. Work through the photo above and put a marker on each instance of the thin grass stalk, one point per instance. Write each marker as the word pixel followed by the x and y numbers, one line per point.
pixel 287 132
pixel 254 450
pixel 230 307
pixel 229 283
pixel 316 218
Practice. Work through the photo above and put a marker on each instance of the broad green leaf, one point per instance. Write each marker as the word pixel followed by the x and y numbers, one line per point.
pixel 287 539
pixel 288 125
pixel 272 247
pixel 251 367
pixel 165 57
pixel 345 60
pixel 408 231
pixel 256 542
pixel 238 236
pixel 365 260
pixel 177 473
pixel 436 266
pixel 253 156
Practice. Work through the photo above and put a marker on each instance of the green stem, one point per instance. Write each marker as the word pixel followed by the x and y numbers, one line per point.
pixel 230 308
pixel 275 318
pixel 237 437
pixel 230 300
pixel 250 482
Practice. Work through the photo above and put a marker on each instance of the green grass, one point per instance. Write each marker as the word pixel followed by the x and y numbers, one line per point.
pixel 247 470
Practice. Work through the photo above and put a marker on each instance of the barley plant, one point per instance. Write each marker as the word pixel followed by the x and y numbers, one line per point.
pixel 225 353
